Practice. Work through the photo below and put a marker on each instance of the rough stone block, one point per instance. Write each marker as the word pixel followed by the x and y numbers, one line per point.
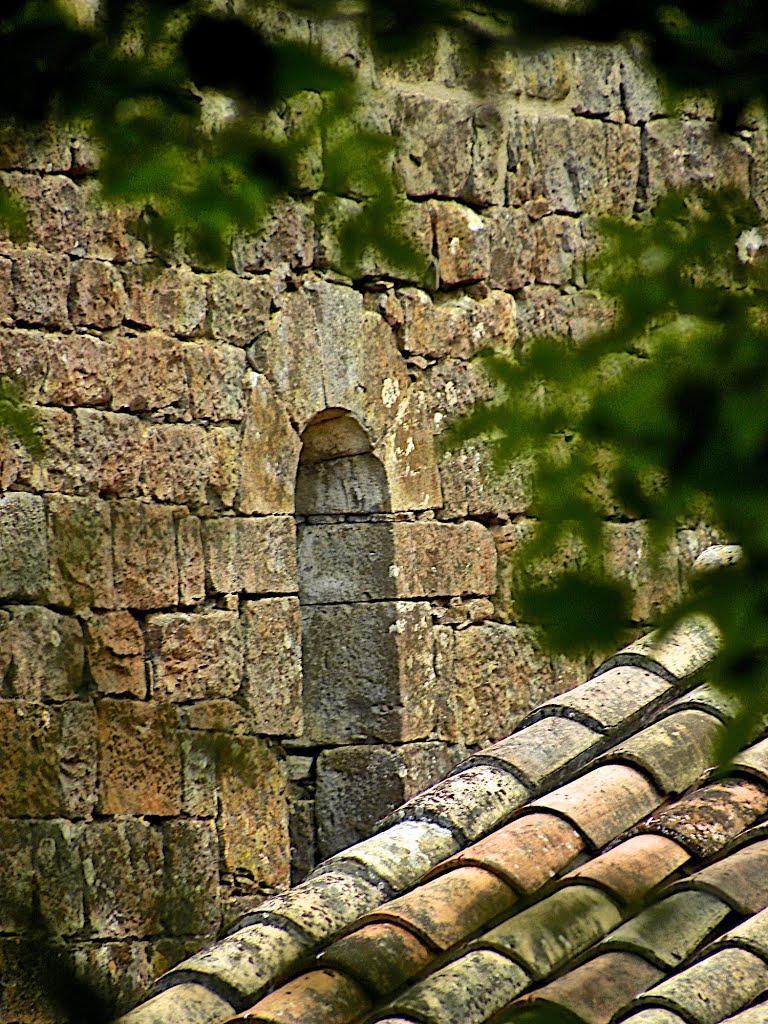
pixel 55 470
pixel 195 656
pixel 407 453
pixel 176 463
pixel 191 855
pixel 303 839
pixel 6 292
pixel 487 176
pixel 285 237
pixel 253 817
pixel 447 326
pixel 559 251
pixel 96 294
pixel 43 147
pixel 58 877
pixel 472 487
pixel 189 549
pixel 173 300
pixel 17 875
pixel 224 446
pixel 655 584
pixel 24 568
pixel 435 152
pixel 139 761
pixel 109 453
pixel 29 769
pixel 79 372
pixel 123 868
pixel 80 544
pixel 115 646
pixel 24 357
pixel 357 561
pixel 573 165
pixel 46 654
pixel 119 972
pixel 512 249
pixel 40 286
pixel 145 570
pixel 257 556
pixel 238 308
pixel 79 758
pixel 198 774
pixel 681 154
pixel 215 378
pixel 463 251
pixel 149 373
pixel 368 672
pixel 269 455
pixel 272 687
pixel 493 675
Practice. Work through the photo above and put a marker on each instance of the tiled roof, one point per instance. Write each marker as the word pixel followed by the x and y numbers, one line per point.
pixel 591 865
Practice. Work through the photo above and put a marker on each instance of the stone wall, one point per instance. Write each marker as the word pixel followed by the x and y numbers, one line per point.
pixel 171 743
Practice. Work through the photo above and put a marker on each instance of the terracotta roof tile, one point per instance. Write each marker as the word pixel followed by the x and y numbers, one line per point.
pixel 472 802
pixel 466 991
pixel 317 997
pixel 190 1003
pixel 757 1014
pixel 402 853
pixel 604 802
pixel 674 752
pixel 712 988
pixel 682 653
pixel 382 957
pixel 244 964
pixel 741 879
pixel 541 749
pixel 655 1015
pixel 597 989
pixel 613 697
pixel 448 908
pixel 526 853
pixel 751 934
pixel 670 931
pixel 754 760
pixel 631 869
pixel 707 697
pixel 712 816
pixel 547 934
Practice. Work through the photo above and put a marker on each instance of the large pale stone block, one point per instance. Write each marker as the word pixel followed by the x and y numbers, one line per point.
pixel 80 544
pixel 96 294
pixel 190 903
pixel 360 561
pixel 285 237
pixel 30 783
pixel 115 646
pixel 435 152
pixel 367 672
pixel 173 300
pixel 145 568
pixel 189 546
pixel 407 452
pixel 463 251
pixel 46 654
pixel 215 375
pixel 257 556
pixel 176 463
pixel 682 154
pixel 272 686
pixel 512 249
pixel 450 326
pixel 238 307
pixel 194 656
pixel 269 455
pixel 24 568
pixel 40 287
pixel 139 761
pixel 149 373
pixel 109 453
pixel 80 372
pixel 253 817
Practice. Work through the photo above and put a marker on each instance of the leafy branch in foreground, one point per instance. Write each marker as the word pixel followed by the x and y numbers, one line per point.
pixel 673 399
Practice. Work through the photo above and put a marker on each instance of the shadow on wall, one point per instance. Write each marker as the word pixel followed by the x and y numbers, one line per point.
pixel 347 591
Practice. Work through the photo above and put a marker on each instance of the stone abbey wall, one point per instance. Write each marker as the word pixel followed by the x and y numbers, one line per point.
pixel 246 605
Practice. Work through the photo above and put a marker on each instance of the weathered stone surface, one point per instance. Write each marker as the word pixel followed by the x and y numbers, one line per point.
pixel 55 470
pixel 145 570
pixel 40 286
pixel 176 463
pixel 6 292
pixel 435 152
pixel 189 548
pixel 194 656
pixel 24 357
pixel 123 870
pixel 286 237
pixel 257 556
pixel 45 652
pixel 272 686
pixel 446 326
pixel 78 758
pixel 115 646
pixel 42 147
pixel 198 774
pixel 685 153
pixel 348 484
pixel 139 763
pixel 173 300
pixel 629 558
pixel 149 373
pixel 512 244
pixel 224 478
pixel 491 676
pixel 367 672
pixel 80 545
pixel 96 294
pixel 471 487
pixel 573 165
pixel 253 820
pixel 58 876
pixel 462 239
pixel 120 972
pixel 109 453
pixel 238 308
pixel 357 561
pixel 29 769
pixel 80 373
pixel 559 251
pixel 407 452
pixel 191 859
pixel 269 455
pixel 24 569
pixel 215 379
pixel 487 175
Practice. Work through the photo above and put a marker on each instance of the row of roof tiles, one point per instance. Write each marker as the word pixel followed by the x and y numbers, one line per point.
pixel 533 857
